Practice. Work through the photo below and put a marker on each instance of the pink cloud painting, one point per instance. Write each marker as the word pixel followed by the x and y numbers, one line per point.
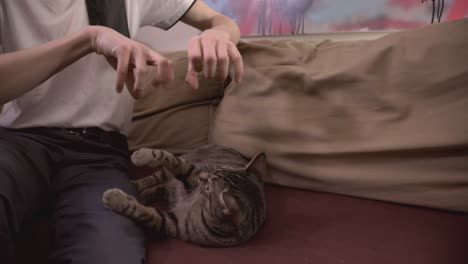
pixel 273 17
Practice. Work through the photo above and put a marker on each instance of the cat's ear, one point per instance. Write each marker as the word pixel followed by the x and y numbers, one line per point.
pixel 231 207
pixel 257 165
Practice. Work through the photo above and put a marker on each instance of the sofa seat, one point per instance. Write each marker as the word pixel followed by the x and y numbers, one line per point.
pixel 313 227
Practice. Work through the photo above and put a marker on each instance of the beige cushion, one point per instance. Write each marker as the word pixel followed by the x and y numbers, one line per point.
pixel 175 117
pixel 383 119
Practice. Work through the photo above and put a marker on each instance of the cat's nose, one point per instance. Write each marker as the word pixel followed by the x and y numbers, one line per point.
pixel 204 176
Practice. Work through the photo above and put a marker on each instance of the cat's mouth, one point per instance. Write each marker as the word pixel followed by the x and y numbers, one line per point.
pixel 223 202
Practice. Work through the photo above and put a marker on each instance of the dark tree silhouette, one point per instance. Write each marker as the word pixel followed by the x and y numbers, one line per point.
pixel 436 12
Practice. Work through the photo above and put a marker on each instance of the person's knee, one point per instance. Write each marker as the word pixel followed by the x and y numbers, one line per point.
pixel 6 217
pixel 5 225
pixel 126 255
pixel 104 251
pixel 6 242
pixel 99 237
pixel 6 206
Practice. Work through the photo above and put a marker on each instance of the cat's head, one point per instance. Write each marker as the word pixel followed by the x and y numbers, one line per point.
pixel 236 195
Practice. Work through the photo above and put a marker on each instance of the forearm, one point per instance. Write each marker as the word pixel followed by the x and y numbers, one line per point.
pixel 24 70
pixel 222 23
pixel 204 18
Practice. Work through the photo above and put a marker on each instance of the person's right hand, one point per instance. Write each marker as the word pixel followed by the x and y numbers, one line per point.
pixel 137 65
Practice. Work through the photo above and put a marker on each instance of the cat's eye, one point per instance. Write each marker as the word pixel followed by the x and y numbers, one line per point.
pixel 207 188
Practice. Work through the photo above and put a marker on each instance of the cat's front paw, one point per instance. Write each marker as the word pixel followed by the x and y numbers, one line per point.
pixel 117 199
pixel 143 157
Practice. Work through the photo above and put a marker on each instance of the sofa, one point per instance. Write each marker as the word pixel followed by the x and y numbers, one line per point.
pixel 304 226
pixel 367 147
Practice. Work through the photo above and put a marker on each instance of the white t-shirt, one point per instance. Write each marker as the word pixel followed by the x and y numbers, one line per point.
pixel 83 94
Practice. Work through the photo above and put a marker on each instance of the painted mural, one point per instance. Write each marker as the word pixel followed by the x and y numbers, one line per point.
pixel 271 17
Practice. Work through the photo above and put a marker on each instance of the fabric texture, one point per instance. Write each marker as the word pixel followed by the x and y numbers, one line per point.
pixel 312 227
pixel 90 99
pixel 382 119
pixel 67 174
pixel 174 117
pixel 162 14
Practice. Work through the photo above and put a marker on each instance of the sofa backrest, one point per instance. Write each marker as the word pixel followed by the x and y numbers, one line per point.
pixel 382 119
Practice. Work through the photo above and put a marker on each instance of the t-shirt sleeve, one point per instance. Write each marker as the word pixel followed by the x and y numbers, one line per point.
pixel 163 13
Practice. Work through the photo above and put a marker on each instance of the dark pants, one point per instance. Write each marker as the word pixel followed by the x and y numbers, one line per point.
pixel 46 167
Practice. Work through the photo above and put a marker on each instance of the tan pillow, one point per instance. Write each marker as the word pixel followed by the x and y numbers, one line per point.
pixel 383 119
pixel 175 117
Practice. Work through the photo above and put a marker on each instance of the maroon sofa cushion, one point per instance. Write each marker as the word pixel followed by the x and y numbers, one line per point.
pixel 312 227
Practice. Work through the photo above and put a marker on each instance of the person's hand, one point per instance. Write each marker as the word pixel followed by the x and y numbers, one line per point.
pixel 137 65
pixel 211 53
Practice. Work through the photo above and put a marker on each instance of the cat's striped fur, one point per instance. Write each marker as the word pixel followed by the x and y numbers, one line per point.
pixel 216 195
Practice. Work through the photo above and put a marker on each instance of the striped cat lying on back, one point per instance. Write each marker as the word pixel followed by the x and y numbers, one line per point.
pixel 215 195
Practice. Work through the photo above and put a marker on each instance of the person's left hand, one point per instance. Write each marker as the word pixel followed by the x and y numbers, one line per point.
pixel 211 53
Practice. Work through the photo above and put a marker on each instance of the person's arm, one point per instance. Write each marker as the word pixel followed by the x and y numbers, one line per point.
pixel 24 70
pixel 213 50
pixel 203 17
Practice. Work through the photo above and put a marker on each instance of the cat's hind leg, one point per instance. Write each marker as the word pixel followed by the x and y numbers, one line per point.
pixel 181 169
pixel 153 187
pixel 158 177
pixel 156 220
pixel 160 158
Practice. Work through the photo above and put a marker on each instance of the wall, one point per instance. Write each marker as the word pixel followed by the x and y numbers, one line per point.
pixel 178 36
pixel 173 39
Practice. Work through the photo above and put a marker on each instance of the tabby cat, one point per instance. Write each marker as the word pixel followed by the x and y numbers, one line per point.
pixel 215 195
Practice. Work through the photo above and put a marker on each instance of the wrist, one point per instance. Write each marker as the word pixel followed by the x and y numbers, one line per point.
pixel 89 35
pixel 219 33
